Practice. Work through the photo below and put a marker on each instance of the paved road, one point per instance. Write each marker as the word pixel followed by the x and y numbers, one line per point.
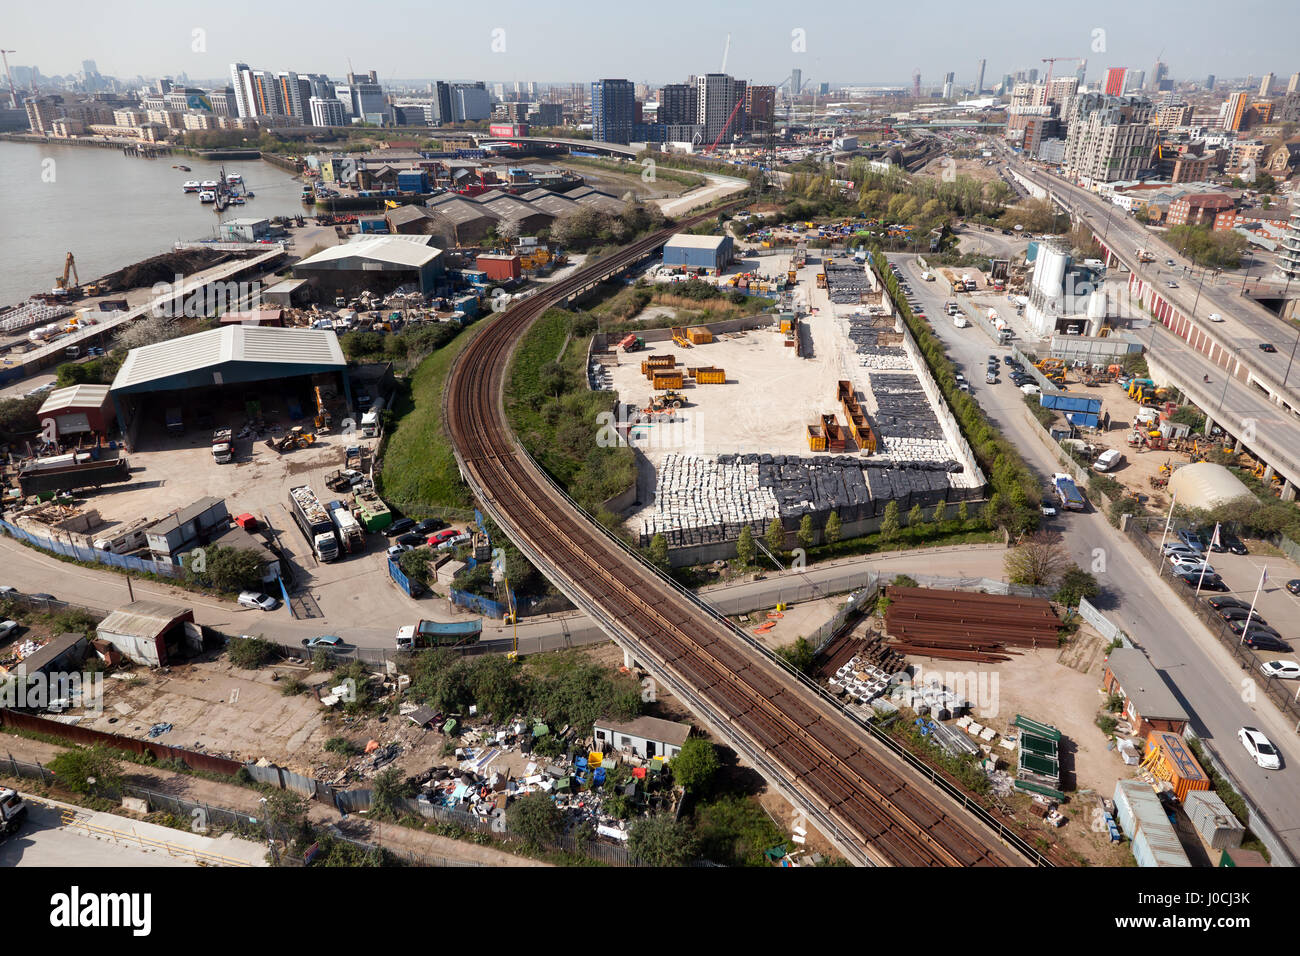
pixel 1208 681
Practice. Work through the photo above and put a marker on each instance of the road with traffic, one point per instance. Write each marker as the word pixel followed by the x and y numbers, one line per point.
pixel 1212 686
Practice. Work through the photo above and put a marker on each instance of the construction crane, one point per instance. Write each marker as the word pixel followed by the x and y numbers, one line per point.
pixel 13 92
pixel 727 125
pixel 61 282
pixel 1051 65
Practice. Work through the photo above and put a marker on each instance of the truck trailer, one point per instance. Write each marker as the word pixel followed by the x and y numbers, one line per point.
pixel 1067 493
pixel 438 634
pixel 349 531
pixel 314 522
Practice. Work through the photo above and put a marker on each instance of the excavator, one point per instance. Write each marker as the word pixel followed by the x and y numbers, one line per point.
pixel 61 287
pixel 322 421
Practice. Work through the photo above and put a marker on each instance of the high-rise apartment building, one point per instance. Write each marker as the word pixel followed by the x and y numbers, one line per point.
pixel 1114 85
pixel 1209 82
pixel 760 109
pixel 613 110
pixel 979 78
pixel 1288 254
pixel 1266 85
pixel 289 91
pixel 326 112
pixel 1235 111
pixel 1110 138
pixel 717 97
pixel 678 104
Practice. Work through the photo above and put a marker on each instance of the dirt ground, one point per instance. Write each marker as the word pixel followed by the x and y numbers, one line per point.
pixel 972 167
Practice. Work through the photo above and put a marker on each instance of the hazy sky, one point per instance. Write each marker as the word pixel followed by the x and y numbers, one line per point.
pixel 865 41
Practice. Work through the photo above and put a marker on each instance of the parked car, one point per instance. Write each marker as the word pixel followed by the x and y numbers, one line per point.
pixel 454 542
pixel 436 539
pixel 412 538
pixel 1282 670
pixel 42 596
pixel 1191 562
pixel 1259 748
pixel 1221 602
pixel 1108 459
pixel 1192 540
pixel 1031 388
pixel 1240 614
pixel 1172 284
pixel 7 628
pixel 397 550
pixel 332 641
pixel 1266 347
pixel 1265 640
pixel 257 601
pixel 1229 542
pixel 430 525
pixel 1215 317
pixel 1293 585
pixel 1177 547
pixel 400 526
pixel 8 589
pixel 1206 582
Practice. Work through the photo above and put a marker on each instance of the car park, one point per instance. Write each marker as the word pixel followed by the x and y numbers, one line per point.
pixel 400 526
pixel 257 601
pixel 1282 670
pixel 1260 749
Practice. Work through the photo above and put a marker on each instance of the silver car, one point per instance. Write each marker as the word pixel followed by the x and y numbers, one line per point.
pixel 257 601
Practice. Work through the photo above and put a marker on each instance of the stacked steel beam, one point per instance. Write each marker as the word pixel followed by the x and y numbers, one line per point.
pixel 967 626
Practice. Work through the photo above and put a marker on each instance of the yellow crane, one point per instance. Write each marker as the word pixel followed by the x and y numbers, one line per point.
pixel 61 282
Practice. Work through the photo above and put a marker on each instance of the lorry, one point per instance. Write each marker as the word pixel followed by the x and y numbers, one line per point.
pixel 370 419
pixel 422 634
pixel 348 528
pixel 68 472
pixel 1144 256
pixel 12 811
pixel 314 522
pixel 221 446
pixel 1067 493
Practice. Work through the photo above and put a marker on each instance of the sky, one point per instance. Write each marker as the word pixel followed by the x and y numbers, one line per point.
pixel 867 41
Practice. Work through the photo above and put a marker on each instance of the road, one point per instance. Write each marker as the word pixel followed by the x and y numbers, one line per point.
pixel 1208 681
pixel 718 187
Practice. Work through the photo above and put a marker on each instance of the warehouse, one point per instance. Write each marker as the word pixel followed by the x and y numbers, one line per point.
pixel 216 375
pixel 151 632
pixel 79 410
pixel 245 230
pixel 376 264
pixel 698 252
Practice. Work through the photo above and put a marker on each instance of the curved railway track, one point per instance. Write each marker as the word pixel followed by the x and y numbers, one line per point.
pixel 856 792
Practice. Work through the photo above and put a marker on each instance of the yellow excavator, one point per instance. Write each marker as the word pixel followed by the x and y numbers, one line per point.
pixel 322 413
pixel 61 286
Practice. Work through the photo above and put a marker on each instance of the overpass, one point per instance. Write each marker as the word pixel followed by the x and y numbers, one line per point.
pixel 1249 393
pixel 582 145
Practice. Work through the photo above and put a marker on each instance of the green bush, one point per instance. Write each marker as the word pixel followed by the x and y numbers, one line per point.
pixel 250 653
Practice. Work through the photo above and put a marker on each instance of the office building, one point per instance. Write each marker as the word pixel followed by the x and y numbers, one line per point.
pixel 979 78
pixel 796 82
pixel 1110 138
pixel 1158 74
pixel 363 98
pixel 947 85
pixel 1209 82
pixel 613 110
pixel 1133 82
pixel 470 102
pixel 1114 85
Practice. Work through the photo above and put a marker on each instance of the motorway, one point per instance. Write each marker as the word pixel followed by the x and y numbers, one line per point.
pixel 1210 684
pixel 1243 409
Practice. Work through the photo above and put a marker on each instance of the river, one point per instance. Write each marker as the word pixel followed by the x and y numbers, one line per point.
pixel 110 210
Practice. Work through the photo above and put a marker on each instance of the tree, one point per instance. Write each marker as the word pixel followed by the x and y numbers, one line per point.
pixel 798 655
pixel 553 379
pixel 1039 559
pixel 833 528
pixel 805 534
pixel 87 769
pixel 388 787
pixel 775 536
pixel 234 569
pixel 695 765
pixel 251 653
pixel 660 840
pixel 534 819
pixel 286 814
pixel 889 521
pixel 149 330
pixel 659 552
pixel 963 513
pixel 940 513
pixel 916 516
pixel 18 416
pixel 415 565
pixel 745 547
pixel 1076 583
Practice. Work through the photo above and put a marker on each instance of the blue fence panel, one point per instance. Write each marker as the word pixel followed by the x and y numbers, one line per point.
pixel 402 580
pixel 485 606
pixel 92 554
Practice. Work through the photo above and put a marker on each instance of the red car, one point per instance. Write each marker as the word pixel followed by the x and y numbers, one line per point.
pixel 436 539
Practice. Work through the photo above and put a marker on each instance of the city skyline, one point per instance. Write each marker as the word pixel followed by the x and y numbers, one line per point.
pixel 839 49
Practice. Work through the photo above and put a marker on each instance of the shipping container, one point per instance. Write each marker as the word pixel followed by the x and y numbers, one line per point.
pixel 1154 847
pixel 1168 758
pixel 711 376
pixel 1239 857
pixel 816 439
pixel 1136 803
pixel 834 434
pixel 664 380
pixel 1216 824
pixel 699 336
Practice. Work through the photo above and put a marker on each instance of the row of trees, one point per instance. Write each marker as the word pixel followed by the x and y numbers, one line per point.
pixel 1211 248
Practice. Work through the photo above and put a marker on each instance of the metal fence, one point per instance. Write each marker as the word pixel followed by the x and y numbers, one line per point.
pixel 162 568
pixel 854 606
pixel 1274 688
pixel 403 582
pixel 478 604
pixel 1104 626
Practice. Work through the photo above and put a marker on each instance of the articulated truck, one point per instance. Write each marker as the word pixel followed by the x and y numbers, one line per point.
pixel 314 522
pixel 1067 493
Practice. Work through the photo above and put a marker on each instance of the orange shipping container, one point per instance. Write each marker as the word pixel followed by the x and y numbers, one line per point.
pixel 711 376
pixel 668 380
pixel 1168 758
pixel 699 336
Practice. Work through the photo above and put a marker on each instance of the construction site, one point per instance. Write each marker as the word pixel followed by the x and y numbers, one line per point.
pixel 821 405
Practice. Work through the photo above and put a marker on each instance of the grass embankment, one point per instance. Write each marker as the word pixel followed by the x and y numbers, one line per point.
pixel 419 476
pixel 696 303
pixel 557 418
pixel 689 180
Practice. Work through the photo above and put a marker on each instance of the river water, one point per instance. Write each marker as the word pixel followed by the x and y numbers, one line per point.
pixel 110 210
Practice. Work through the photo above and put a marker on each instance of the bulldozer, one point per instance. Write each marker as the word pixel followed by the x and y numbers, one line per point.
pixel 665 401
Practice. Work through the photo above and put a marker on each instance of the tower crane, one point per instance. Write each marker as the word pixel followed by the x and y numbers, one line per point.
pixel 13 93
pixel 1051 65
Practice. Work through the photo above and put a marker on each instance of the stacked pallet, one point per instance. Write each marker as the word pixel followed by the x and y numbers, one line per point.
pixel 966 626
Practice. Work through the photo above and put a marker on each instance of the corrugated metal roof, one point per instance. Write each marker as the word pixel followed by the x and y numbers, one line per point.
pixel 142 619
pixel 650 728
pixel 234 343
pixel 390 249
pixel 75 396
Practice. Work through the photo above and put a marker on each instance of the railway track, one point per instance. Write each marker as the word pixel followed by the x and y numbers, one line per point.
pixel 876 809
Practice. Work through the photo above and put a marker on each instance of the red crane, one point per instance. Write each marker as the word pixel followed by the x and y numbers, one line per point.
pixel 739 103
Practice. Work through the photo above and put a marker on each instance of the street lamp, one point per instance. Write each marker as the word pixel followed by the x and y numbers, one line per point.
pixel 1292 358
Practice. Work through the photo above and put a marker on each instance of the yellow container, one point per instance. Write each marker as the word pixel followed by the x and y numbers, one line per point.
pixel 711 376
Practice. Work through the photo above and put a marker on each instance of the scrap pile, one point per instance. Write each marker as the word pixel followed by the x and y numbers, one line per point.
pixel 966 626
pixel 847 284
pixel 876 348
pixel 700 500
pixel 912 483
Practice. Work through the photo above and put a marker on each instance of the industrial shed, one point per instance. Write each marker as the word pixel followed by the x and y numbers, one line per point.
pixel 219 372
pixel 698 252
pixel 646 736
pixel 1206 485
pixel 1149 705
pixel 78 410
pixel 151 632
pixel 376 264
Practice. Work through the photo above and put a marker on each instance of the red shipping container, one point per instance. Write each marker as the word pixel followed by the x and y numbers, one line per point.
pixel 499 268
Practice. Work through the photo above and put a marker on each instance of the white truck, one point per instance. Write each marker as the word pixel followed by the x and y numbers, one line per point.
pixel 348 527
pixel 314 522
pixel 12 811
pixel 370 419
pixel 222 440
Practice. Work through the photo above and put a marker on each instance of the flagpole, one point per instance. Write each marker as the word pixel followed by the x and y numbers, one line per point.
pixel 1168 521
pixel 1246 627
pixel 1205 561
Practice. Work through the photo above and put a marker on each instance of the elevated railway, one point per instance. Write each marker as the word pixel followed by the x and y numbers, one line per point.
pixel 877 804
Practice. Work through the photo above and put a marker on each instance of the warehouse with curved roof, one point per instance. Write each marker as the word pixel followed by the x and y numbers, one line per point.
pixel 1206 485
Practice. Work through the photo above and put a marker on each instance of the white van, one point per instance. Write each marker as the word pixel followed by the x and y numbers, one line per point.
pixel 1107 459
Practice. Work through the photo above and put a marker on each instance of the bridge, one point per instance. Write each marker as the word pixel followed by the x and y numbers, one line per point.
pixel 1249 393
pixel 581 145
